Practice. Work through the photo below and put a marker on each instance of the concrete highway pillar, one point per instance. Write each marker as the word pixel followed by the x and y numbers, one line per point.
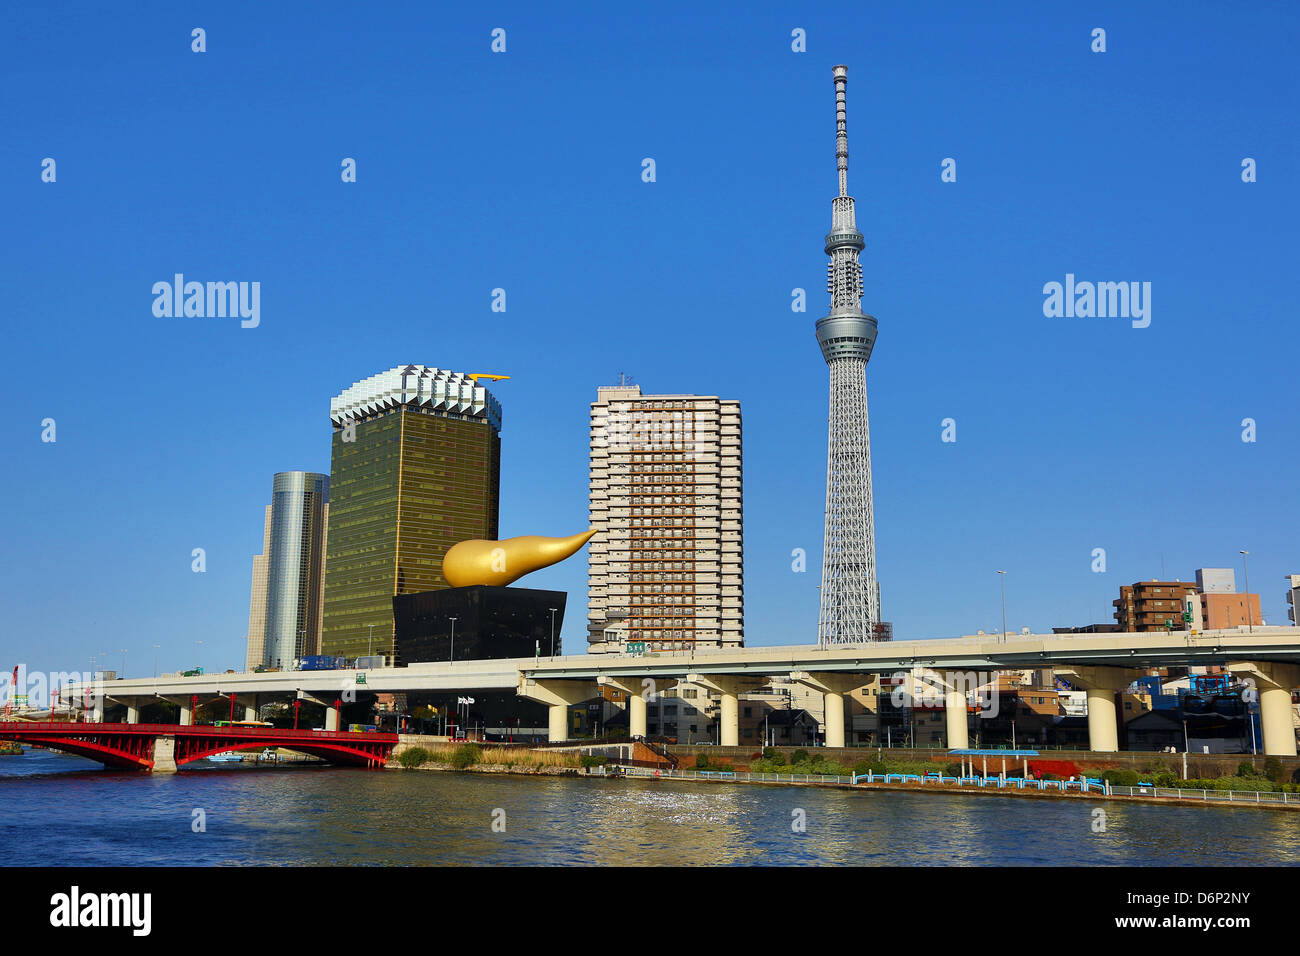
pixel 1273 683
pixel 728 688
pixel 1103 726
pixel 187 715
pixel 834 686
pixel 132 713
pixel 1101 684
pixel 834 718
pixel 636 709
pixel 249 703
pixel 331 717
pixel 729 719
pixel 638 693
pixel 558 722
pixel 954 712
pixel 559 696
pixel 1276 723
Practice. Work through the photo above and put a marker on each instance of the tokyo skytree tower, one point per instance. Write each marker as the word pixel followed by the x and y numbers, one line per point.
pixel 850 597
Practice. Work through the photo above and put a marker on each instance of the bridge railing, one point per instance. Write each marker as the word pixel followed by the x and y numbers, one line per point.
pixel 71 727
pixel 1231 796
pixel 1091 787
pixel 732 775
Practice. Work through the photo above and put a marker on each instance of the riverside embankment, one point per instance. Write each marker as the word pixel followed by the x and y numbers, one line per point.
pixel 517 760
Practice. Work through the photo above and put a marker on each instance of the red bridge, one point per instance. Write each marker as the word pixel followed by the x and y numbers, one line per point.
pixel 166 747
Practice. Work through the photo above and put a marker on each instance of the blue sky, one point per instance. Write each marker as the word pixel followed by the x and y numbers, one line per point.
pixel 522 171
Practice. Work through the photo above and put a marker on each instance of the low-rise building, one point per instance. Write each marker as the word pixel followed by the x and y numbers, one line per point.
pixel 1223 611
pixel 1152 605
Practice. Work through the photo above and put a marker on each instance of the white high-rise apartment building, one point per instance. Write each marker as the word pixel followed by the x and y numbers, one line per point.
pixel 257 601
pixel 666 567
pixel 284 615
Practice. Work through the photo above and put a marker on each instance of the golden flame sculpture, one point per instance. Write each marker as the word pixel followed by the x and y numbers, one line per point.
pixel 498 563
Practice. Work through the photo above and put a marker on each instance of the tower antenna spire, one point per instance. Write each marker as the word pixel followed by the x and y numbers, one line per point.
pixel 841 129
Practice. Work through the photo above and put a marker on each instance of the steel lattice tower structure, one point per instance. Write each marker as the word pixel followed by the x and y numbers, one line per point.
pixel 850 597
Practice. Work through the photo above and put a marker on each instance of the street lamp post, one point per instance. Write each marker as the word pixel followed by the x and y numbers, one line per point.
pixel 552 632
pixel 371 649
pixel 1003 579
pixel 1250 618
pixel 453 641
pixel 820 642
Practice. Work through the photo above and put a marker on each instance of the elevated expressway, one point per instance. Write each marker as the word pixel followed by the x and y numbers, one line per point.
pixel 1099 664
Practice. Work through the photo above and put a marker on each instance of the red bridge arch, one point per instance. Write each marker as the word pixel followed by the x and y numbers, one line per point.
pixel 131 746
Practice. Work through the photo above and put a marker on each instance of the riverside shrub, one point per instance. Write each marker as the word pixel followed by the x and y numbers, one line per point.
pixel 1250 784
pixel 1121 778
pixel 412 758
pixel 466 755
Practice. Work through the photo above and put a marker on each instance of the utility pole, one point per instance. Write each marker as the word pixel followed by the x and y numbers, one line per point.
pixel 1250 619
pixel 552 631
pixel 1003 579
pixel 452 659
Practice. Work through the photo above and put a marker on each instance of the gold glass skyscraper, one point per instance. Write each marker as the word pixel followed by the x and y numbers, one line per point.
pixel 415 468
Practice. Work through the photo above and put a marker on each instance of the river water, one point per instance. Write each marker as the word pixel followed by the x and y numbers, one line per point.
pixel 73 812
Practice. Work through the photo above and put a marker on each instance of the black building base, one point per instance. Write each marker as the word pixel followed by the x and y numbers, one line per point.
pixel 491 623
